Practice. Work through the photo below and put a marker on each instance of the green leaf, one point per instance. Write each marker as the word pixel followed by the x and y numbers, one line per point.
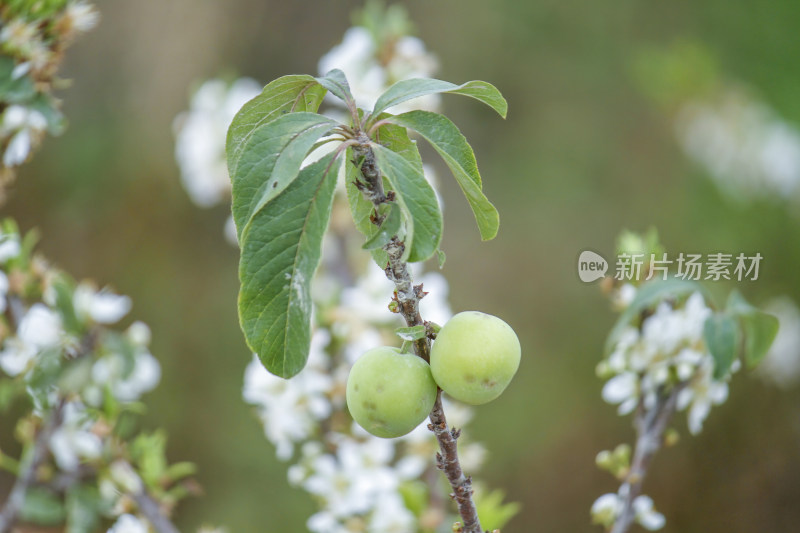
pixel 42 507
pixel 395 138
pixel 446 139
pixel 14 90
pixel 389 228
pixel 336 82
pixel 280 252
pixel 721 333
pixel 493 512
pixel 408 89
pixel 287 94
pixel 84 504
pixel 441 257
pixel 271 159
pixel 759 328
pixel 417 200
pixel 648 295
pixel 411 333
pixel 361 208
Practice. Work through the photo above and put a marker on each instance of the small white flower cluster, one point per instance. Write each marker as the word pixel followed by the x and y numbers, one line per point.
pixel 126 371
pixel 31 37
pixel 747 149
pixel 23 127
pixel 666 350
pixel 200 136
pixel 607 508
pixel 371 66
pixel 58 347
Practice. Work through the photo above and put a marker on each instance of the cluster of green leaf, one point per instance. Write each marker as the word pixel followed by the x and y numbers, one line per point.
pixel 281 210
pixel 22 91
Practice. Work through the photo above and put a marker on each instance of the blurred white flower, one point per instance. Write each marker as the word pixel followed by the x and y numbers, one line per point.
pixel 646 514
pixel 289 409
pixel 781 365
pixel 74 441
pixel 745 147
pixel 357 57
pixel 670 344
pixel 356 478
pixel 9 246
pixel 16 356
pixel 22 126
pixel 125 477
pixel 606 509
pixel 103 307
pixel 81 15
pixel 127 380
pixel 139 333
pixel 40 327
pixel 128 523
pixel 390 515
pixel 200 138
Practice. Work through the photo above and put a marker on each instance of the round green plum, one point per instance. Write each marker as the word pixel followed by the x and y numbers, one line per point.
pixel 389 393
pixel 474 357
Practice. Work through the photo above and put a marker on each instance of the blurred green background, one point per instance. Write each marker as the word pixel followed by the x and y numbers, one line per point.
pixel 583 155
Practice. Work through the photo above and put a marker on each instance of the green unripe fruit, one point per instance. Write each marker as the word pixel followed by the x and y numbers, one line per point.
pixel 389 393
pixel 474 357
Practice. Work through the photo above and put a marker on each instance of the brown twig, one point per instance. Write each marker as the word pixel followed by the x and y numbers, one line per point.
pixel 650 426
pixel 407 296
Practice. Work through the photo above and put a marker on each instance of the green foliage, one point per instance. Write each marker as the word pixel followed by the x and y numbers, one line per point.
pixel 282 212
pixel 759 328
pixel 285 95
pixel 405 90
pixel 417 201
pixel 495 514
pixel 84 506
pixel 721 334
pixel 270 161
pixel 448 141
pixel 42 507
pixel 280 252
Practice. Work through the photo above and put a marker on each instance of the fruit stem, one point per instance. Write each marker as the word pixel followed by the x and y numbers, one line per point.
pixel 408 296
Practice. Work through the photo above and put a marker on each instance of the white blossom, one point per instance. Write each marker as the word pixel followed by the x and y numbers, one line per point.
pixel 73 441
pixel 9 246
pixel 125 381
pixel 289 409
pixel 670 342
pixel 40 327
pixel 607 508
pixel 103 307
pixel 22 126
pixel 356 56
pixel 200 138
pixel 646 514
pixel 746 148
pixel 81 15
pixel 128 523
